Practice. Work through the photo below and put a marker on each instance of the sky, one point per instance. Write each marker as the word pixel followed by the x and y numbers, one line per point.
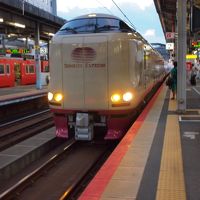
pixel 141 13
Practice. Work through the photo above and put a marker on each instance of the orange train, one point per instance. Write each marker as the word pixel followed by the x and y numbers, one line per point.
pixel 15 71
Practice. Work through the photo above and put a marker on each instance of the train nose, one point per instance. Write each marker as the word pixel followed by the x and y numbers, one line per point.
pixel 87 64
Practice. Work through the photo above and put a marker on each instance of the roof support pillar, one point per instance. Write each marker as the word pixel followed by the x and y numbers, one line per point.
pixel 37 56
pixel 182 46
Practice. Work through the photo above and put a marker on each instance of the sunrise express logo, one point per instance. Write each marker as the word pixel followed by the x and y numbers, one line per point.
pixel 83 54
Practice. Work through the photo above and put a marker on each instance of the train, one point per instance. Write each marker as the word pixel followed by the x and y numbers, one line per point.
pixel 101 71
pixel 17 71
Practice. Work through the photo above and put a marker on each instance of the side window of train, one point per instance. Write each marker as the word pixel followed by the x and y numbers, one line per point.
pixel 31 69
pixel 27 69
pixel 7 69
pixel 46 68
pixel 1 69
pixel 124 27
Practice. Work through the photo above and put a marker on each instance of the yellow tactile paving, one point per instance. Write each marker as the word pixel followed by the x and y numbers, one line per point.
pixel 171 184
pixel 172 105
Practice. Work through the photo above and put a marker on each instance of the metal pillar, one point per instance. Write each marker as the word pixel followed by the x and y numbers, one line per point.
pixel 37 56
pixel 182 45
pixel 26 43
pixel 3 44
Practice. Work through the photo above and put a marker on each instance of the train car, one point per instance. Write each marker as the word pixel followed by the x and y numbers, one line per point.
pixel 17 71
pixel 101 70
pixel 7 77
pixel 28 72
pixel 44 72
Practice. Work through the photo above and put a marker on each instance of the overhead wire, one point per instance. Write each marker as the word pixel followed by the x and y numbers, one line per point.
pixel 104 7
pixel 124 14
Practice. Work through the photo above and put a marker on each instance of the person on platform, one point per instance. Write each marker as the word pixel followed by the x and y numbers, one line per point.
pixel 173 74
pixel 193 76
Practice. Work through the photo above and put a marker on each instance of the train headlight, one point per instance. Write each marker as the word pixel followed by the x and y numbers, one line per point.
pixel 50 96
pixel 58 97
pixel 128 96
pixel 115 98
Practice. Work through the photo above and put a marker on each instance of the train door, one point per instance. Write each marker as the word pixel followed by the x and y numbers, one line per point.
pixel 28 72
pixel 2 75
pixel 6 73
pixel 44 72
pixel 17 72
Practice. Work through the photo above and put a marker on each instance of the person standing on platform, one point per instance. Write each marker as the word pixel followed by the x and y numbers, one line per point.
pixel 193 76
pixel 173 74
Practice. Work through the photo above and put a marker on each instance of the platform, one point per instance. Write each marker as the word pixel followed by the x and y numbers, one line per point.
pixel 20 93
pixel 157 159
pixel 159 156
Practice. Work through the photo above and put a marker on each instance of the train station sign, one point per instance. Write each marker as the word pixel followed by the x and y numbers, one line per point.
pixel 169 46
pixel 191 56
pixel 170 35
pixel 196 44
pixel 14 51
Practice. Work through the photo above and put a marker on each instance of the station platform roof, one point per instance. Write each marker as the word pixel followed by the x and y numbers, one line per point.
pixel 166 10
pixel 18 11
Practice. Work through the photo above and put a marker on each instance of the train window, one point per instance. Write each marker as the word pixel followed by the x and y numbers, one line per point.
pixel 46 68
pixel 107 24
pixel 7 69
pixel 27 69
pixel 124 27
pixel 30 69
pixel 78 26
pixel 2 69
pixel 91 25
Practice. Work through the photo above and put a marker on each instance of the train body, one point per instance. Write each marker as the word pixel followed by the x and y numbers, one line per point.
pixel 16 71
pixel 101 69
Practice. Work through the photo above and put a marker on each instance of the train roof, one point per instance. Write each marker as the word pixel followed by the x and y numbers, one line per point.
pixel 99 15
pixel 94 15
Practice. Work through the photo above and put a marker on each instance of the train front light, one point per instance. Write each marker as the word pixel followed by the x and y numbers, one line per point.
pixel 58 97
pixel 115 98
pixel 50 96
pixel 128 96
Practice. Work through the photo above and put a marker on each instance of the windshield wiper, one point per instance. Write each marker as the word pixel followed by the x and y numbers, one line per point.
pixel 69 29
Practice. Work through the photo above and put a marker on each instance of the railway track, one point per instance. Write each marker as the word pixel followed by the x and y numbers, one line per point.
pixel 19 129
pixel 64 175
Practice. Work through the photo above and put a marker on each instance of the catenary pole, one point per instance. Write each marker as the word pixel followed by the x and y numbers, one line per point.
pixel 182 45
pixel 37 57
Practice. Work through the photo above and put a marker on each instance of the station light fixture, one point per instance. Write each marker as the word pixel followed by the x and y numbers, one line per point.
pixel 51 34
pixel 17 24
pixel 12 35
pixel 1 19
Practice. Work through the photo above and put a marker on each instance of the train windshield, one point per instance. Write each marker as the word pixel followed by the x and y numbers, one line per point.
pixel 94 25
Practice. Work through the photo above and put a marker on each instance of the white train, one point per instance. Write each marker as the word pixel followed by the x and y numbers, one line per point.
pixel 101 69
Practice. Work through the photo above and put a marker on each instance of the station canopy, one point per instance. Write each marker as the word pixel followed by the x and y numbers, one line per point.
pixel 18 17
pixel 166 10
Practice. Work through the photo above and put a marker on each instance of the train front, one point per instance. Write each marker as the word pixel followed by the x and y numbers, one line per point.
pixel 79 88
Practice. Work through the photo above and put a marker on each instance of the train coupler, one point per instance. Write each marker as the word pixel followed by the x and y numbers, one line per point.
pixel 83 128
